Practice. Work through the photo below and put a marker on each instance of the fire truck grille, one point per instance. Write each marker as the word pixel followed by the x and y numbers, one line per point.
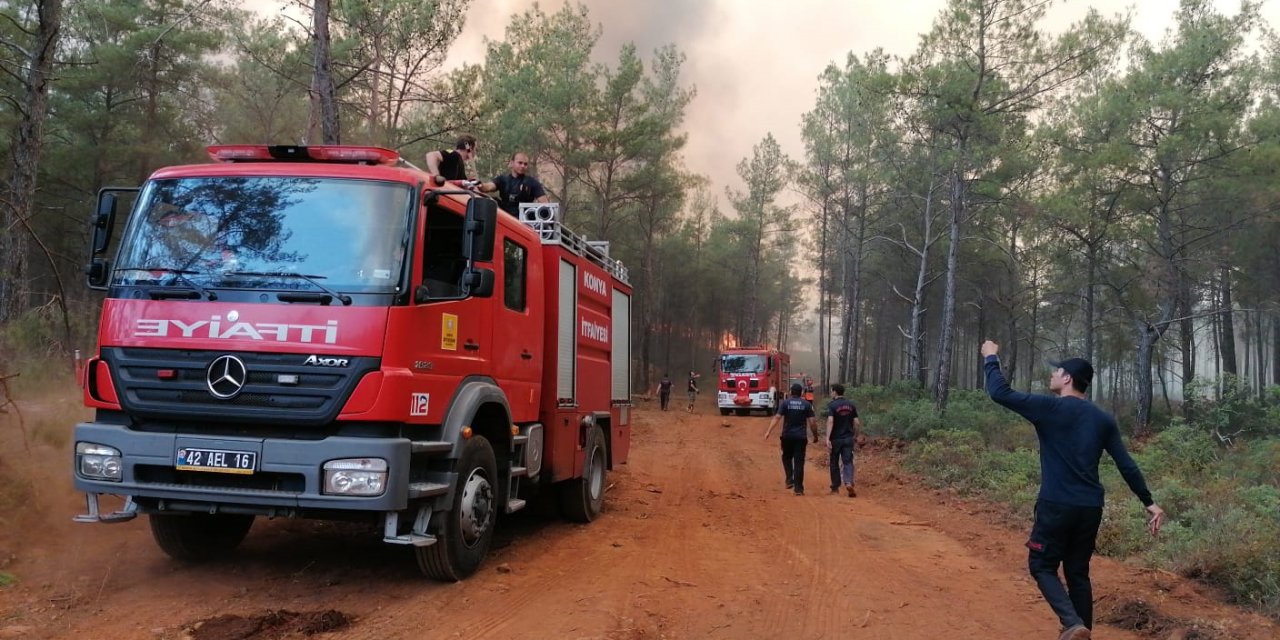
pixel 276 387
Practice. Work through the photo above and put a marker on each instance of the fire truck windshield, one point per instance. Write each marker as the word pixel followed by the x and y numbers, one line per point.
pixel 351 234
pixel 742 364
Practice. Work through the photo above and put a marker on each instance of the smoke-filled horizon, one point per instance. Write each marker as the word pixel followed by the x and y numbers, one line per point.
pixel 755 65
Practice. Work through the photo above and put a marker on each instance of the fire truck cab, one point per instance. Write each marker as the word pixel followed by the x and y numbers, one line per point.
pixel 751 378
pixel 319 332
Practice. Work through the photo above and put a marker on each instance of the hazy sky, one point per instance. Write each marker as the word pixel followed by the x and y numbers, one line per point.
pixel 755 64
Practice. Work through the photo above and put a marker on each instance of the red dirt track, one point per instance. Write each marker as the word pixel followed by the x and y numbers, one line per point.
pixel 699 539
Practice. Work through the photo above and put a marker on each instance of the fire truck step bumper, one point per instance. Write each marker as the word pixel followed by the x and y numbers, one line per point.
pixel 417 537
pixel 427 489
pixel 126 513
pixel 515 504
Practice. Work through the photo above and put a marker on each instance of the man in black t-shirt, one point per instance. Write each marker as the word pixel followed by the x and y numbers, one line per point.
pixel 664 391
pixel 516 187
pixel 452 165
pixel 843 426
pixel 795 413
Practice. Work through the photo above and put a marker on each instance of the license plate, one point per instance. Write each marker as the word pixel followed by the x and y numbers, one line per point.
pixel 216 460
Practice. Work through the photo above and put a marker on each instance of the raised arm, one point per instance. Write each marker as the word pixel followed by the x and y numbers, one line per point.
pixel 1025 404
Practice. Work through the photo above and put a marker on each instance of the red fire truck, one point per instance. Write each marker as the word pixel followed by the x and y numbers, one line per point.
pixel 320 332
pixel 752 378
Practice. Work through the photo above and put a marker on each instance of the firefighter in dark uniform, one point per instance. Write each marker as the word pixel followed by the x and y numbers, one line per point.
pixel 795 413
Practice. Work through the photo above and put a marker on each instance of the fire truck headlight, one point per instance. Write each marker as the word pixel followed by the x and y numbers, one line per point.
pixel 355 477
pixel 99 462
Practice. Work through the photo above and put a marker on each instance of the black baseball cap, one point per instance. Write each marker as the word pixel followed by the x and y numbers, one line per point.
pixel 796 388
pixel 1078 368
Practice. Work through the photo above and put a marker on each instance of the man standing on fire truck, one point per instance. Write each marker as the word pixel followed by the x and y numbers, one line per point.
pixel 795 413
pixel 517 187
pixel 452 165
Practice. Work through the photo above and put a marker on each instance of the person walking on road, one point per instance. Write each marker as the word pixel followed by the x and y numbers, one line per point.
pixel 693 389
pixel 795 413
pixel 843 429
pixel 1073 432
pixel 664 392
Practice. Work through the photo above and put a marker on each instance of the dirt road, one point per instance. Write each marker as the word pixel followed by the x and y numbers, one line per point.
pixel 699 540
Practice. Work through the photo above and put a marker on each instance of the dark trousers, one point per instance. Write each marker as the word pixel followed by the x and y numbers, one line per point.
pixel 1064 535
pixel 793 462
pixel 664 397
pixel 841 462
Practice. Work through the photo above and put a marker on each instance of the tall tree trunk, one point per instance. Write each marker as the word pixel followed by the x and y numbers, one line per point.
pixel 1259 338
pixel 846 327
pixel 323 94
pixel 375 84
pixel 918 366
pixel 942 379
pixel 151 86
pixel 1275 349
pixel 1186 331
pixel 824 373
pixel 1146 340
pixel 855 287
pixel 1090 302
pixel 25 148
pixel 1227 321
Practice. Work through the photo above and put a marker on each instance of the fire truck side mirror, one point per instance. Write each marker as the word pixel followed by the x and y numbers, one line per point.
pixel 481 229
pixel 97 272
pixel 102 221
pixel 479 282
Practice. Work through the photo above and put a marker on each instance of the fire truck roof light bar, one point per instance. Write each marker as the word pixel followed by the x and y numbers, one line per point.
pixel 290 153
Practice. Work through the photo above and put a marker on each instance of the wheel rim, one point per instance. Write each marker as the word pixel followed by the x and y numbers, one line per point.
pixel 476 510
pixel 596 473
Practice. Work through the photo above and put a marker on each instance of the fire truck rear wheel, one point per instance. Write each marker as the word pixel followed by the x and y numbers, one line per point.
pixel 582 498
pixel 199 537
pixel 465 532
pixel 724 412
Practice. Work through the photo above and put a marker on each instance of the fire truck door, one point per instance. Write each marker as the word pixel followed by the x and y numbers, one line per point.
pixel 453 337
pixel 519 318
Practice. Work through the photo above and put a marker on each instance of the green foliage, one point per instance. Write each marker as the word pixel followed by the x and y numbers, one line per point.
pixel 7 579
pixel 1230 411
pixel 1180 451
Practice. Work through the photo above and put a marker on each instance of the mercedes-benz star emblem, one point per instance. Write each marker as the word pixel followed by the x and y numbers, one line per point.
pixel 226 377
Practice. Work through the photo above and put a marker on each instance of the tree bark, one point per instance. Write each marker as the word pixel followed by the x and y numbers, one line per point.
pixel 1186 330
pixel 25 148
pixel 1226 320
pixel 942 379
pixel 1146 339
pixel 1275 350
pixel 323 95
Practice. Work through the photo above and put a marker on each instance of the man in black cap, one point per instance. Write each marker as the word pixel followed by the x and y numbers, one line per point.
pixel 1073 432
pixel 795 413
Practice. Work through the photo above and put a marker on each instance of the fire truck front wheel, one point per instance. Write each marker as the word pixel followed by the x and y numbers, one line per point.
pixel 466 530
pixel 582 498
pixel 199 537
